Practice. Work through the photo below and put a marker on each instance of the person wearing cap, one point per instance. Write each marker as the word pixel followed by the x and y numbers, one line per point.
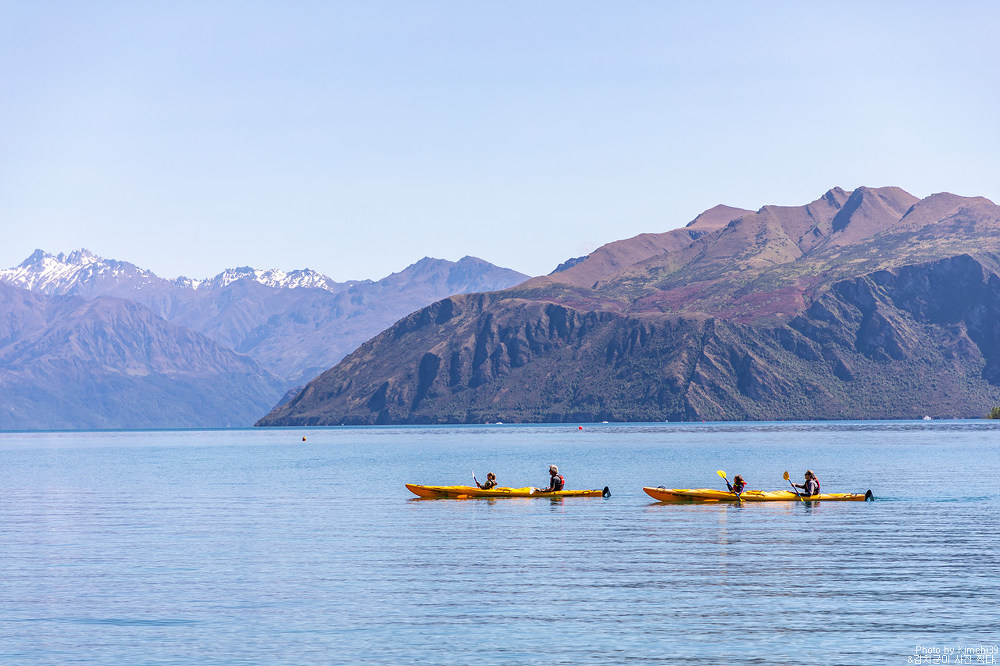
pixel 491 481
pixel 811 486
pixel 556 482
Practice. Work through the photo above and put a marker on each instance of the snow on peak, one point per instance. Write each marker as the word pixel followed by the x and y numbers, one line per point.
pixel 61 273
pixel 79 257
pixel 37 258
pixel 81 270
pixel 273 277
pixel 187 283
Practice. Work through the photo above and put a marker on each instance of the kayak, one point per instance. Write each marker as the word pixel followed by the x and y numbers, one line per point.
pixel 471 492
pixel 712 495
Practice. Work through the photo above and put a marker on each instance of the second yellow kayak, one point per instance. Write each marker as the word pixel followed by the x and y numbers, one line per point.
pixel 712 495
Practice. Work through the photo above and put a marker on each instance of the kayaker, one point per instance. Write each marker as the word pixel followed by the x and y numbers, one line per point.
pixel 556 482
pixel 738 484
pixel 811 486
pixel 491 481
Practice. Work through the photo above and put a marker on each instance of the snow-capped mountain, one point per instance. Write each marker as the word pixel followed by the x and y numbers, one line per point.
pixel 293 324
pixel 275 278
pixel 78 271
pixel 62 274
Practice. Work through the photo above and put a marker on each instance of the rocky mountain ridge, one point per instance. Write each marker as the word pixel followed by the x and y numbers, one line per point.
pixel 863 304
pixel 766 263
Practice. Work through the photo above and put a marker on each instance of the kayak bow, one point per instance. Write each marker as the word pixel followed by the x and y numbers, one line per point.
pixel 711 495
pixel 471 492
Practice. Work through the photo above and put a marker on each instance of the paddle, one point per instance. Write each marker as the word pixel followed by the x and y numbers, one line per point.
pixel 785 475
pixel 723 475
pixel 474 478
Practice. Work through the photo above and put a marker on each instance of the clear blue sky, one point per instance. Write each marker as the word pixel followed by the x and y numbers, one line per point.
pixel 357 137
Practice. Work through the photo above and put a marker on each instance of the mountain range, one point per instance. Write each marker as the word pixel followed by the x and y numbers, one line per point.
pixel 87 342
pixel 871 303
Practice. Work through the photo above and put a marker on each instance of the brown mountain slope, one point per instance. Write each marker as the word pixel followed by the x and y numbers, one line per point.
pixel 609 259
pixel 772 263
pixel 859 305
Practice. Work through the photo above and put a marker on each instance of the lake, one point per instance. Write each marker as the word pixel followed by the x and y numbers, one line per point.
pixel 252 546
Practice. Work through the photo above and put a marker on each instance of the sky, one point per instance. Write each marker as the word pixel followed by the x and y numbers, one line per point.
pixel 355 138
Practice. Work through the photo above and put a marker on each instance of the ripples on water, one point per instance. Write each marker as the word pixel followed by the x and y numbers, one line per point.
pixel 254 547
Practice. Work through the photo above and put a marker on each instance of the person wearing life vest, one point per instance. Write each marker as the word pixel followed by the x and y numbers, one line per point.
pixel 738 484
pixel 556 482
pixel 811 486
pixel 491 482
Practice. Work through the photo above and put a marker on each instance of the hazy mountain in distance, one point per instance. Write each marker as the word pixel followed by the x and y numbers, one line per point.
pixel 71 363
pixel 294 324
pixel 288 326
pixel 298 333
pixel 863 304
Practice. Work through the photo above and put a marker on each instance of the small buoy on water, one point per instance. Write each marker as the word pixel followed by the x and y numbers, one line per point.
pixel 580 428
pixel 303 438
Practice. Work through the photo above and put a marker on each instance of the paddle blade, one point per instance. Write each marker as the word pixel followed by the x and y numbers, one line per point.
pixel 785 476
pixel 721 473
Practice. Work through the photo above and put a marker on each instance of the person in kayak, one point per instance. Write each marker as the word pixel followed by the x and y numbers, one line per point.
pixel 738 484
pixel 556 482
pixel 491 482
pixel 811 486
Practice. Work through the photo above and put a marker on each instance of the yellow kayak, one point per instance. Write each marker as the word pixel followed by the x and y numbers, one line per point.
pixel 471 492
pixel 712 495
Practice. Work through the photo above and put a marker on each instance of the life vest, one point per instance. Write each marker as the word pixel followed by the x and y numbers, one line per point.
pixel 562 482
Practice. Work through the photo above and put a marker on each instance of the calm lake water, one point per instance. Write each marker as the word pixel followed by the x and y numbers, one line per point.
pixel 252 546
